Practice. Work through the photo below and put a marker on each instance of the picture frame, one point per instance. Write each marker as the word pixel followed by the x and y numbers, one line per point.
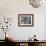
pixel 25 20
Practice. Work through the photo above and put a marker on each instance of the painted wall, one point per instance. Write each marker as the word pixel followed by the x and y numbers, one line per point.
pixel 11 8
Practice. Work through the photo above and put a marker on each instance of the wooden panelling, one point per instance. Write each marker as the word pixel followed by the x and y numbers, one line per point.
pixel 25 44
pixel 17 44
pixel 40 44
pixel 44 44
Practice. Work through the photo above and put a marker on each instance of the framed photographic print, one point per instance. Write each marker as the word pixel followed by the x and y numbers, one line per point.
pixel 25 19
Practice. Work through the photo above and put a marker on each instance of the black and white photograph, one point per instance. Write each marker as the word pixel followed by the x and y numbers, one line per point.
pixel 25 19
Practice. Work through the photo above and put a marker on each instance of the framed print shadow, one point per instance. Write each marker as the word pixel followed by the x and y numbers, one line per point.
pixel 25 20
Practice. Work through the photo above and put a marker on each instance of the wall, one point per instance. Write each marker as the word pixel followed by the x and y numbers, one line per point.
pixel 11 8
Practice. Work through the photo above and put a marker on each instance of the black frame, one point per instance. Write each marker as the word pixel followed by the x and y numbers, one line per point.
pixel 19 24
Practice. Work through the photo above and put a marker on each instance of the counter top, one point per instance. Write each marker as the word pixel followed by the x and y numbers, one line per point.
pixel 42 41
